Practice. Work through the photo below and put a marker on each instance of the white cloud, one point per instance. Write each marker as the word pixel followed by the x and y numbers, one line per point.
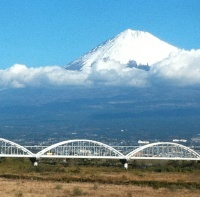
pixel 110 72
pixel 19 76
pixel 181 68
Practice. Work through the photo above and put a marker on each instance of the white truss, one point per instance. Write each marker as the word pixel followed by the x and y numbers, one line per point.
pixel 96 150
pixel 80 149
pixel 11 149
pixel 164 150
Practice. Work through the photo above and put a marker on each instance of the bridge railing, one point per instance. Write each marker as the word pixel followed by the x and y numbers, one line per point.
pixel 12 149
pixel 80 149
pixel 94 149
pixel 164 150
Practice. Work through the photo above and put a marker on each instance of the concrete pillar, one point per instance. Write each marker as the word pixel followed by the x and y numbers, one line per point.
pixel 34 161
pixel 124 162
pixel 126 165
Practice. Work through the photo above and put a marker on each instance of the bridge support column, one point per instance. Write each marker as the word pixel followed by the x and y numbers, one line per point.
pixel 34 161
pixel 125 163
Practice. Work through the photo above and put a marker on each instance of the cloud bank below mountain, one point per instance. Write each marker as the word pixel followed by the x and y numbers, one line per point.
pixel 179 69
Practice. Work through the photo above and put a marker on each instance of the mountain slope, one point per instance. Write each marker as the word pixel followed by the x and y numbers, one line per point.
pixel 137 46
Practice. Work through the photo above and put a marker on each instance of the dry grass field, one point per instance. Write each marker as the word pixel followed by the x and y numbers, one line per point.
pixel 31 188
pixel 18 178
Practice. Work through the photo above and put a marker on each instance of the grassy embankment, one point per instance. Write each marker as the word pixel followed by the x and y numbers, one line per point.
pixel 99 178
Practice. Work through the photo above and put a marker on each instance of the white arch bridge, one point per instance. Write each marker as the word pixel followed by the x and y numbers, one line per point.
pixel 96 150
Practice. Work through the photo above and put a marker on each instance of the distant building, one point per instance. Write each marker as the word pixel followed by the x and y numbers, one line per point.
pixel 195 139
pixel 179 140
pixel 143 142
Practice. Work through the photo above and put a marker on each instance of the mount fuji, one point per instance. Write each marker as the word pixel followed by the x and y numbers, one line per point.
pixel 133 48
pixel 100 95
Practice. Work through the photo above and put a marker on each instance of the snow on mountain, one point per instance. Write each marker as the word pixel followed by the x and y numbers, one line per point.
pixel 129 46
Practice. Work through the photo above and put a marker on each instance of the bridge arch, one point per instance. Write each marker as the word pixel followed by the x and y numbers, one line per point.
pixel 164 150
pixel 12 149
pixel 80 148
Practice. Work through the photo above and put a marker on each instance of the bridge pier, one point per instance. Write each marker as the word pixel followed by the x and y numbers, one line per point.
pixel 125 163
pixel 34 161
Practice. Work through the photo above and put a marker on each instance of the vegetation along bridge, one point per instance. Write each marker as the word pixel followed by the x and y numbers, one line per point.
pixel 90 149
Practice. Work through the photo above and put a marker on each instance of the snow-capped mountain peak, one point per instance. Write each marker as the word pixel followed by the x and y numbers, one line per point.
pixel 130 45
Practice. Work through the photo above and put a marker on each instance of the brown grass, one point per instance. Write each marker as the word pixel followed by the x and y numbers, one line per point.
pixel 28 188
pixel 18 178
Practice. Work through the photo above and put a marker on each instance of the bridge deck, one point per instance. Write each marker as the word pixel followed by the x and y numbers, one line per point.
pixel 97 150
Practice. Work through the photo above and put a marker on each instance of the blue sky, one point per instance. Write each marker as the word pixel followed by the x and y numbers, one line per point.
pixel 40 32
